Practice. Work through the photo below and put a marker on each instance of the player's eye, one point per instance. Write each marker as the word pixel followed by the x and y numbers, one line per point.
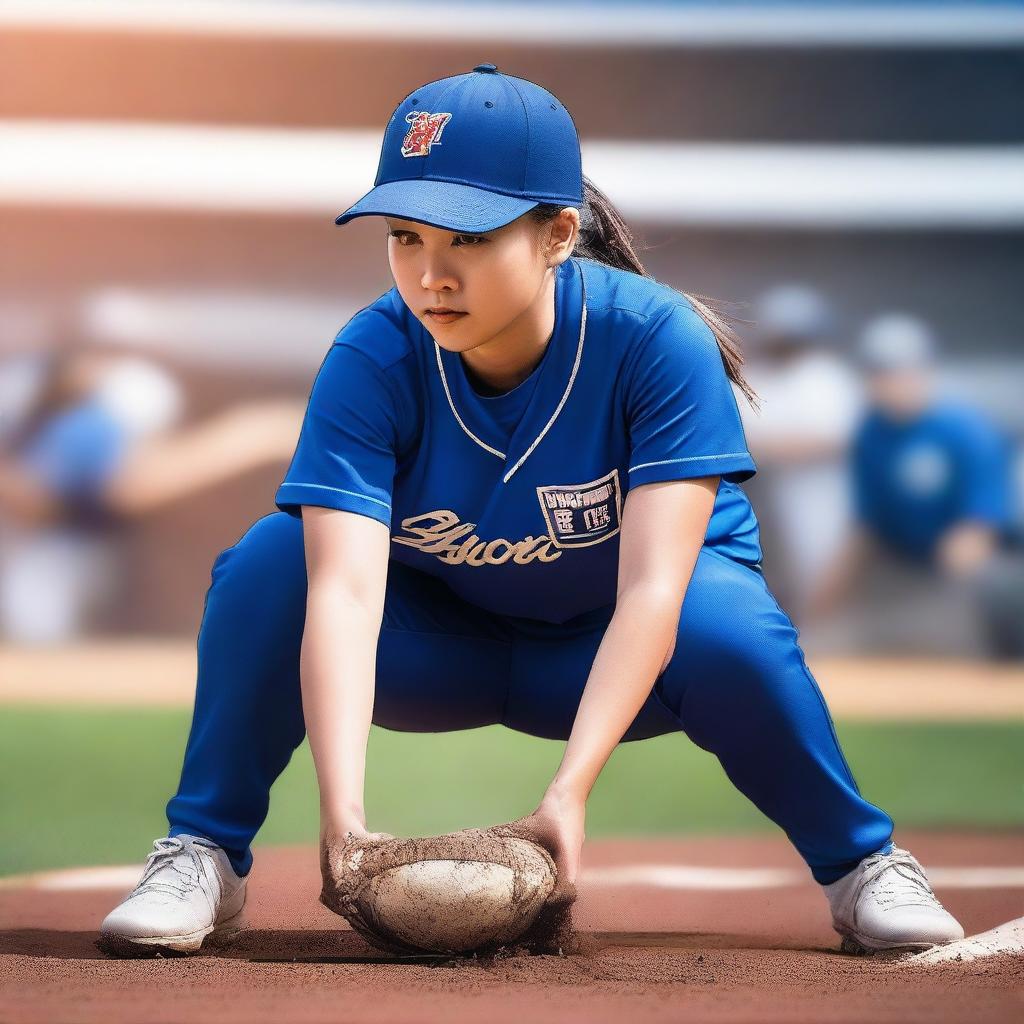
pixel 408 237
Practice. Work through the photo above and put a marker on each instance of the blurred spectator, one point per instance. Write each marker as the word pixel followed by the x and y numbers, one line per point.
pixel 934 557
pixel 809 403
pixel 88 443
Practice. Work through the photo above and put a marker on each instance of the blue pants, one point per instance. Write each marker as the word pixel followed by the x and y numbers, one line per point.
pixel 737 685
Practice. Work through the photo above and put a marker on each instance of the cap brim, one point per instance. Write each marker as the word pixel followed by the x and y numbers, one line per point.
pixel 443 204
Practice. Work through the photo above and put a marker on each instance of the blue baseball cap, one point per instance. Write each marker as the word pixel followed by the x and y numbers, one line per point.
pixel 474 152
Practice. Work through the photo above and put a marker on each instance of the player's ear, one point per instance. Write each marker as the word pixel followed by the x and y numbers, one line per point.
pixel 562 232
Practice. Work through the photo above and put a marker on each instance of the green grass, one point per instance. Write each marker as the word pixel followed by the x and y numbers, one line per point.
pixel 89 786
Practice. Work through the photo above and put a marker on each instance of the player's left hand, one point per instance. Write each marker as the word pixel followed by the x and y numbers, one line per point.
pixel 558 826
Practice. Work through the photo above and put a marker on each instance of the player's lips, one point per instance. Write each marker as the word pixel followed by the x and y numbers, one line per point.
pixel 444 314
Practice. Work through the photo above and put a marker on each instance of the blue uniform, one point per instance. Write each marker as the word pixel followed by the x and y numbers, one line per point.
pixel 504 519
pixel 916 478
pixel 75 453
pixel 526 521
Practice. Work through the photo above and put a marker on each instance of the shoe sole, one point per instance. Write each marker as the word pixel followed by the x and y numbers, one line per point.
pixel 858 944
pixel 218 934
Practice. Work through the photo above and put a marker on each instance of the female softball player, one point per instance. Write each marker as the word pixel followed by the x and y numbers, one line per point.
pixel 513 467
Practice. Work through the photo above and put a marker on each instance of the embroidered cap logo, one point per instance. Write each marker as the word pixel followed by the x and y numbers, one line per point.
pixel 425 131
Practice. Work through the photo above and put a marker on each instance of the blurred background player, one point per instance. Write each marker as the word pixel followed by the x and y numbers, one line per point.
pixel 933 556
pixel 81 413
pixel 90 440
pixel 810 400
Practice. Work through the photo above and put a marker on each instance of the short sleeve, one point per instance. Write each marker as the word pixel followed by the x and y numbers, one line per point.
pixel 681 411
pixel 346 453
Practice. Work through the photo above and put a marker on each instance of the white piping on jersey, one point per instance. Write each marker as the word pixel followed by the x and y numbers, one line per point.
pixel 565 397
pixel 554 415
pixel 689 458
pixel 444 381
pixel 340 490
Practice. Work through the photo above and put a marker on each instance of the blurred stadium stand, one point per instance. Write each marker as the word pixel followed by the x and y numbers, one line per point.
pixel 175 168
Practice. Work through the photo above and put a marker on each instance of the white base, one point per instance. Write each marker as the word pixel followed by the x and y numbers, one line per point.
pixel 1006 939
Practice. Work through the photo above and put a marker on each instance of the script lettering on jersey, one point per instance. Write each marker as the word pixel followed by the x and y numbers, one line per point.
pixel 425 130
pixel 441 533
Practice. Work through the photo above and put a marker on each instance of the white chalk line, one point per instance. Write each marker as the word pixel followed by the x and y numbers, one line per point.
pixel 121 876
pixel 680 876
pixel 685 876
pixel 656 876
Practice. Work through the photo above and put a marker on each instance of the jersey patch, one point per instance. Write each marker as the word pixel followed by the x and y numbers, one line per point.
pixel 425 131
pixel 578 515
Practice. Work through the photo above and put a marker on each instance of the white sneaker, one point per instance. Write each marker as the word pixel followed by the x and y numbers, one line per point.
pixel 887 903
pixel 188 890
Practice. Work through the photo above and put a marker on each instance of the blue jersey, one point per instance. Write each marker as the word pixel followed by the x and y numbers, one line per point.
pixel 74 454
pixel 916 478
pixel 516 502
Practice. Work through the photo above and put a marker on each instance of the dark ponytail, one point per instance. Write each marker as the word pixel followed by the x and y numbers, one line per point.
pixel 605 237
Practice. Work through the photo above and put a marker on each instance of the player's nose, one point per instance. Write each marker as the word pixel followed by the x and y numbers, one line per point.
pixel 437 277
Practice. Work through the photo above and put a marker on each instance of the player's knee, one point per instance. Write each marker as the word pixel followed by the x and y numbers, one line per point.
pixel 728 674
pixel 271 545
pixel 256 604
pixel 262 577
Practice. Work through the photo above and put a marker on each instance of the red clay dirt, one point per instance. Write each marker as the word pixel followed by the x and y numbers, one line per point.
pixel 656 954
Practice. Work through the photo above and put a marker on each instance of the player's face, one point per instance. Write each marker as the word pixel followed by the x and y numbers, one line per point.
pixel 491 280
pixel 901 393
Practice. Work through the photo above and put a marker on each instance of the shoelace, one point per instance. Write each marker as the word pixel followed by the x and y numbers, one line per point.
pixel 170 869
pixel 904 882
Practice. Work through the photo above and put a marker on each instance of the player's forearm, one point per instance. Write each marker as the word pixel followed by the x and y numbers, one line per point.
pixel 630 658
pixel 338 667
pixel 171 468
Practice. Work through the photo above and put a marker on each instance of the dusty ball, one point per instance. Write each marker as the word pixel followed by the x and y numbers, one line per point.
pixel 456 893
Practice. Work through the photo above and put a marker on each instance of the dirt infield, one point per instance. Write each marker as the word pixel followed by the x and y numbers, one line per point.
pixel 161 673
pixel 695 930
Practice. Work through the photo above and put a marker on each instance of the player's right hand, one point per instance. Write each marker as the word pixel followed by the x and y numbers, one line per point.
pixel 335 845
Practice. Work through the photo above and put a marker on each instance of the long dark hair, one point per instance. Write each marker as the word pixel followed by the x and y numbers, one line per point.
pixel 605 237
